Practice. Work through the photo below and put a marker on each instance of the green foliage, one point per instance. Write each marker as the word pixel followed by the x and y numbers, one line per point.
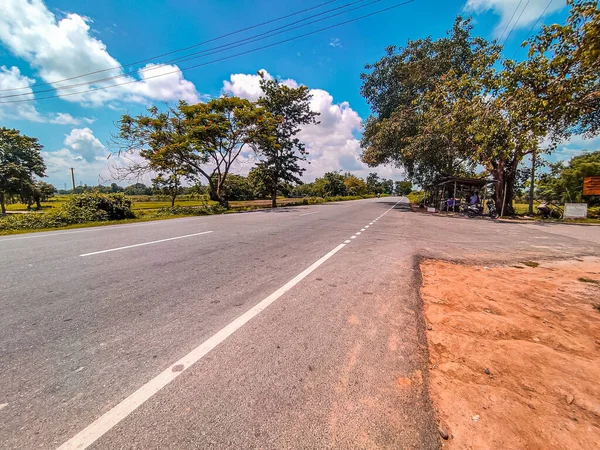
pixel 333 184
pixel 355 186
pixel 199 141
pixel 564 183
pixel 281 152
pixel 403 188
pixel 77 209
pixel 410 127
pixel 46 190
pixel 447 106
pixel 416 197
pixel 569 57
pixel 95 206
pixel 20 162
pixel 135 189
pixel 238 187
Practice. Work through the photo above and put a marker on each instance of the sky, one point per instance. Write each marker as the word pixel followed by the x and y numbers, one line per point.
pixel 50 44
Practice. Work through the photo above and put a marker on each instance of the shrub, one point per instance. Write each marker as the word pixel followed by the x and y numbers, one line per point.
pixel 77 209
pixel 416 197
pixel 94 206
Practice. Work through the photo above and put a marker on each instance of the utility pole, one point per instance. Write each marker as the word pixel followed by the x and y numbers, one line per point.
pixel 73 179
pixel 532 183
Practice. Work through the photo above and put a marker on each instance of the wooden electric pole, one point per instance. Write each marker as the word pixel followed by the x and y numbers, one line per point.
pixel 73 179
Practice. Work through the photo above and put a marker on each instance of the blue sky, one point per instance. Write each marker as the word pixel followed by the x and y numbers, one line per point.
pixel 43 42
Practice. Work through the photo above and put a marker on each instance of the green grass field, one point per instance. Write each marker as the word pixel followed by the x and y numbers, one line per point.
pixel 145 205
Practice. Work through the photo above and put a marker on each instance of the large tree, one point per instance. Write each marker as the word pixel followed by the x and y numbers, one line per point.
pixel 333 184
pixel 355 185
pixel 404 129
pixel 569 55
pixel 20 162
pixel 201 141
pixel 462 108
pixel 280 156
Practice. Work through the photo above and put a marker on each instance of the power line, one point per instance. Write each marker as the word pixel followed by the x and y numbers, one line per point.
pixel 214 50
pixel 511 18
pixel 220 59
pixel 277 19
pixel 532 28
pixel 516 22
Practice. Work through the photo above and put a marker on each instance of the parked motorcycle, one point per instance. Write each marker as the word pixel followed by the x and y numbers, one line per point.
pixel 549 211
pixel 476 210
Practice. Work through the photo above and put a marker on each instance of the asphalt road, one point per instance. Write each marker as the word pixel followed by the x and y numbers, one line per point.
pixel 294 328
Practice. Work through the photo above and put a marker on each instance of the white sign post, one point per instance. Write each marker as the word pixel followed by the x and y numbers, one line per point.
pixel 575 210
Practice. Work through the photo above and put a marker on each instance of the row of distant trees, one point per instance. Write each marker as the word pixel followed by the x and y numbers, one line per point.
pixel 21 166
pixel 239 187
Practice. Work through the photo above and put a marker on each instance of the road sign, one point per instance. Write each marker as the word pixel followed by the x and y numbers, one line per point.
pixel 575 210
pixel 591 186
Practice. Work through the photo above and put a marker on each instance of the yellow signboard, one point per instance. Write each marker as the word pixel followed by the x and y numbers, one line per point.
pixel 591 186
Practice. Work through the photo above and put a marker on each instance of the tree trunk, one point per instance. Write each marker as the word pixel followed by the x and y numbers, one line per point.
pixel 274 198
pixel 2 205
pixel 38 204
pixel 505 179
pixel 173 197
pixel 532 184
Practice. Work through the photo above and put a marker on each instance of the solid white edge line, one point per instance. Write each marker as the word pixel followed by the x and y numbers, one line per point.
pixel 144 243
pixel 308 214
pixel 108 420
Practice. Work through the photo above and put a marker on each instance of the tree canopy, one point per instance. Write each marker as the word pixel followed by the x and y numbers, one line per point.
pixel 279 156
pixel 201 141
pixel 451 106
pixel 20 162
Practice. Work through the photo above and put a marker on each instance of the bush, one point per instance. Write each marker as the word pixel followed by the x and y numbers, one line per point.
pixel 94 206
pixel 77 209
pixel 594 212
pixel 416 197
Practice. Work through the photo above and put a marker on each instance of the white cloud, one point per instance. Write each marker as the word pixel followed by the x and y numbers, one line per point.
pixel 11 78
pixel 82 143
pixel 335 42
pixel 65 48
pixel 82 151
pixel 68 119
pixel 506 8
pixel 245 85
pixel 332 144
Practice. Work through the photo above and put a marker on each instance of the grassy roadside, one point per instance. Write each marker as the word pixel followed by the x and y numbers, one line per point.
pixel 189 208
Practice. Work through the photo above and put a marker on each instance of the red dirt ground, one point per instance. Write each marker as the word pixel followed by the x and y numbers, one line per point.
pixel 537 332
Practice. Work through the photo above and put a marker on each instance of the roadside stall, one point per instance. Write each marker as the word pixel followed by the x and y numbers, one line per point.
pixel 453 193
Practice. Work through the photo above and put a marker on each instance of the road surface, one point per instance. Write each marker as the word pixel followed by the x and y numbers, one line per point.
pixel 294 328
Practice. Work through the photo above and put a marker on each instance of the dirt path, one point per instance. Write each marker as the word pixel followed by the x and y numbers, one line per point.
pixel 515 354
